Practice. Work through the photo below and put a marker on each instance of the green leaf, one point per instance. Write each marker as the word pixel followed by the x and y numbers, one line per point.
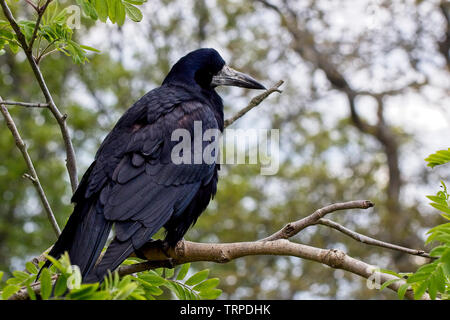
pixel 136 296
pixel 198 277
pixel 112 10
pixel 31 268
pixel 13 281
pixel 402 290
pixel 125 291
pixel 31 293
pixel 158 271
pixel 136 2
pixel 89 9
pixel 210 294
pixel 437 199
pixel 101 6
pixel 391 273
pixel 100 295
pixel 27 28
pixel 441 207
pixel 183 271
pixel 154 291
pixel 388 283
pixel 60 285
pixel 120 12
pixel 439 251
pixel 210 284
pixel 168 273
pixel 438 158
pixel 55 262
pixel 152 279
pixel 46 284
pixel 84 291
pixel 132 12
pixel 14 47
pixel 21 275
pixel 89 48
pixel 177 289
pixel 433 287
pixel 9 290
pixel 1 275
pixel 420 290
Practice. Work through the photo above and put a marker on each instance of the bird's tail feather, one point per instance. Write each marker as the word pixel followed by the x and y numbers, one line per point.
pixel 85 232
pixel 115 254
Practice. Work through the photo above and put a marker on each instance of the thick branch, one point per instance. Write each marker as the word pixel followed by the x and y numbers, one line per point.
pixel 187 251
pixel 254 103
pixel 33 177
pixel 60 118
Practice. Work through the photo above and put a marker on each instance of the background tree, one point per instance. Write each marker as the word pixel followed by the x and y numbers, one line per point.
pixel 364 103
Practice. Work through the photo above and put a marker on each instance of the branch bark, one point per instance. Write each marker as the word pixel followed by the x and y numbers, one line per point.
pixel 371 241
pixel 276 244
pixel 254 103
pixel 25 104
pixel 33 175
pixel 293 228
pixel 60 118
pixel 187 251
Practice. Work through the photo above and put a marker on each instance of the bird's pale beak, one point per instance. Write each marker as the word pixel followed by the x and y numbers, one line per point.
pixel 230 77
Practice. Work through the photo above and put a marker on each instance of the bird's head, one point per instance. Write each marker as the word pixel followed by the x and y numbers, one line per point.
pixel 206 68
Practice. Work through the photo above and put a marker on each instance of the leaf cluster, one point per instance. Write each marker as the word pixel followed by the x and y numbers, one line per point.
pixel 57 26
pixel 433 277
pixel 64 281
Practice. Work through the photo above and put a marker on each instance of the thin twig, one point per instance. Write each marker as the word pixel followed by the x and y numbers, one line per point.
pixel 60 118
pixel 293 228
pixel 44 52
pixel 371 241
pixel 253 103
pixel 33 175
pixel 25 104
pixel 40 11
pixel 32 4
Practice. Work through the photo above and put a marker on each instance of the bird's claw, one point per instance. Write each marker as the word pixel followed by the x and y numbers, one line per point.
pixel 156 244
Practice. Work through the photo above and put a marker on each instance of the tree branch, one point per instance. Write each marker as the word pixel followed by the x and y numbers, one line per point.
pixel 186 251
pixel 40 12
pixel 25 104
pixel 277 244
pixel 60 118
pixel 254 103
pixel 291 229
pixel 33 176
pixel 371 241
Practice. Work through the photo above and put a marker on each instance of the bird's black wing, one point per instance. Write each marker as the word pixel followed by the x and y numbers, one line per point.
pixel 139 186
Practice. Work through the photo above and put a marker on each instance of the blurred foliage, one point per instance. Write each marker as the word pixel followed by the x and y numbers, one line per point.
pixel 324 158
